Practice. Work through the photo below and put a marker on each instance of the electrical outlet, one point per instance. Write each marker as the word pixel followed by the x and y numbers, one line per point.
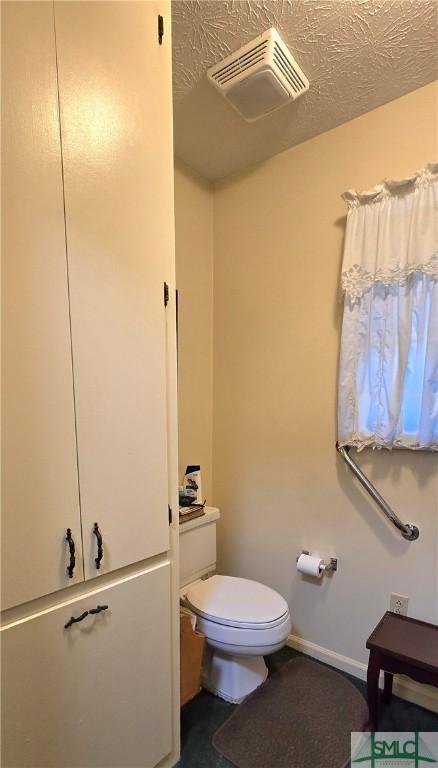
pixel 399 604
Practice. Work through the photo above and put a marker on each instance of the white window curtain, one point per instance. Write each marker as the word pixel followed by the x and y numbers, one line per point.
pixel 388 378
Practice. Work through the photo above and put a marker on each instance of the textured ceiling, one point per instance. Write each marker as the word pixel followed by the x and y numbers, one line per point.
pixel 357 54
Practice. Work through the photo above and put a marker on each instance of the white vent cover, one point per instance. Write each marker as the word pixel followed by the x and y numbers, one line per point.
pixel 260 77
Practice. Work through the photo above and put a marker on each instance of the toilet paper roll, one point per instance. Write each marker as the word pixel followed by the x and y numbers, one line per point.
pixel 312 566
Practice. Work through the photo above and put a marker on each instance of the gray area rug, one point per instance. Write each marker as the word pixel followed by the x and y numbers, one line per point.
pixel 301 717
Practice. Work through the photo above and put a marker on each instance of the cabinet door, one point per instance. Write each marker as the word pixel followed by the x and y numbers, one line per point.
pixel 39 467
pixel 115 99
pixel 98 693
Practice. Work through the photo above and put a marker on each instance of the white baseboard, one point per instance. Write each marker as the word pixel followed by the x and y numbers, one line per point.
pixel 424 695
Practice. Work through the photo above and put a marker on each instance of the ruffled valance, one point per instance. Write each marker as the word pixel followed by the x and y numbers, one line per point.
pixel 392 232
pixel 390 187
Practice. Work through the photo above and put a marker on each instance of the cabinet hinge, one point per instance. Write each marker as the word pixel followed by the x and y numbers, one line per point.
pixel 160 29
pixel 170 514
pixel 166 294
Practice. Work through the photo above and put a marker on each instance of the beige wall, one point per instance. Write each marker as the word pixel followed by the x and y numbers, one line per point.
pixel 194 278
pixel 281 487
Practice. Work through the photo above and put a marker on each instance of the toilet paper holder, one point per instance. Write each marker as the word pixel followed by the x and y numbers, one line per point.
pixel 329 567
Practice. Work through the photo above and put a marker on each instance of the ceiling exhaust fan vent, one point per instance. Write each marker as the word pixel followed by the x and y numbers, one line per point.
pixel 260 77
pixel 240 64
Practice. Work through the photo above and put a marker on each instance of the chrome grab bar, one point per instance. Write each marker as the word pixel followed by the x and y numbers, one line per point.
pixel 407 530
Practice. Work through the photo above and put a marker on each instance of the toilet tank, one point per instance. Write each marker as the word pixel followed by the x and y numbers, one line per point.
pixel 197 546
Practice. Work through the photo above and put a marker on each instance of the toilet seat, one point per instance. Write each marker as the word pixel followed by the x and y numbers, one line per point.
pixel 239 616
pixel 245 641
pixel 238 603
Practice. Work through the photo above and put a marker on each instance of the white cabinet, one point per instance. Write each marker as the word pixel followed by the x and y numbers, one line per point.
pixel 87 248
pixel 116 125
pixel 88 368
pixel 40 497
pixel 95 695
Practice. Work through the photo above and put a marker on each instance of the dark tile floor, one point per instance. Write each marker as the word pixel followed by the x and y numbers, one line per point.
pixel 202 716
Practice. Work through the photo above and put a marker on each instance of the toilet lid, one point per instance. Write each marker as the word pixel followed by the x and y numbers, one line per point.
pixel 237 602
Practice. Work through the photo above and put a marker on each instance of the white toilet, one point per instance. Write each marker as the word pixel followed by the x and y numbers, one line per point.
pixel 242 620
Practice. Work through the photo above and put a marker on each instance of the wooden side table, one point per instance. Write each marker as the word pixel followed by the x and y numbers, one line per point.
pixel 400 645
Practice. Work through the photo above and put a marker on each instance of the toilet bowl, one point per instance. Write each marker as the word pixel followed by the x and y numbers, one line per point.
pixel 242 621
